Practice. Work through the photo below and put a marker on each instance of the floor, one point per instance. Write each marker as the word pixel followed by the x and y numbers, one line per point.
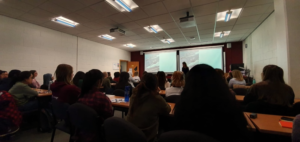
pixel 32 135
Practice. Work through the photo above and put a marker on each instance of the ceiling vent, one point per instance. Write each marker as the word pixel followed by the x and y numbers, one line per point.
pixel 188 21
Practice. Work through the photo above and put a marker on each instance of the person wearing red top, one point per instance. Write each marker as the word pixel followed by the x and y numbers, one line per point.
pixel 92 97
pixel 117 77
pixel 62 88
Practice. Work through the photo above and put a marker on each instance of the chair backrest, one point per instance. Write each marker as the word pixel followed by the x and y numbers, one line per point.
pixel 119 130
pixel 240 91
pixel 119 92
pixel 266 108
pixel 185 136
pixel 172 98
pixel 59 109
pixel 84 118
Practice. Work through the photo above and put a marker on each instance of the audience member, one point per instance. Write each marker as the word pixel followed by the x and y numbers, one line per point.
pixel 203 100
pixel 221 73
pixel 176 85
pixel 136 77
pixel 124 81
pixel 25 96
pixel 110 78
pixel 106 81
pixel 62 88
pixel 162 81
pixel 3 75
pixel 142 111
pixel 185 69
pixel 78 79
pixel 237 79
pixel 272 89
pixel 116 77
pixel 35 83
pixel 131 81
pixel 7 83
pixel 229 77
pixel 48 79
pixel 145 72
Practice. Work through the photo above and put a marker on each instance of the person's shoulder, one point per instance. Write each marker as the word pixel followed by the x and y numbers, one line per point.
pixel 70 87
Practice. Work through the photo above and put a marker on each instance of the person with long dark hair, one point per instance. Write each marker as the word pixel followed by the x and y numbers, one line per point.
pixel 163 84
pixel 35 83
pixel 146 105
pixel 124 81
pixel 203 100
pixel 7 83
pixel 23 94
pixel 78 79
pixel 272 89
pixel 185 69
pixel 62 88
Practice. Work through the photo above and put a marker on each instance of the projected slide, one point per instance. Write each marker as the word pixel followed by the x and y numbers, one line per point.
pixel 160 61
pixel 210 56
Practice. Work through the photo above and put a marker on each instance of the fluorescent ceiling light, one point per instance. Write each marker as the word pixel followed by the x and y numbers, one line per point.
pixel 222 34
pixel 107 37
pixel 123 5
pixel 231 14
pixel 65 21
pixel 169 41
pixel 130 45
pixel 153 28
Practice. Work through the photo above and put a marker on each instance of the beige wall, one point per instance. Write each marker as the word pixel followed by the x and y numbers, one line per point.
pixel 26 46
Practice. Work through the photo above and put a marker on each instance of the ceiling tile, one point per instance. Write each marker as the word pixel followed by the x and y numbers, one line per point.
pixel 254 10
pixel 206 26
pixel 230 4
pixel 248 19
pixel 106 22
pixel 89 2
pixel 146 35
pixel 136 14
pixel 191 29
pixel 11 12
pixel 257 2
pixel 205 36
pixel 245 26
pixel 228 28
pixel 34 2
pixel 225 24
pixel 42 13
pixel 119 18
pixel 161 19
pixel 190 34
pixel 140 31
pixel 89 13
pixel 242 31
pixel 207 31
pixel 167 26
pixel 104 8
pixel 202 2
pixel 175 5
pixel 33 19
pixel 155 9
pixel 263 17
pixel 146 22
pixel 181 13
pixel 206 19
pixel 177 35
pixel 130 25
pixel 270 8
pixel 76 30
pixel 71 5
pixel 17 4
pixel 145 2
pixel 205 9
pixel 96 26
pixel 173 31
pixel 76 17
pixel 235 36
pixel 53 8
pixel 54 25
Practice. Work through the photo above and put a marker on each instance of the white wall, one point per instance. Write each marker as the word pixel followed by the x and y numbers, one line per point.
pixel 262 48
pixel 26 46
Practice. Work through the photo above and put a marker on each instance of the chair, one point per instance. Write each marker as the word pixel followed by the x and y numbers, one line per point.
pixel 185 136
pixel 45 87
pixel 82 118
pixel 172 98
pixel 119 130
pixel 119 92
pixel 240 91
pixel 266 108
pixel 59 111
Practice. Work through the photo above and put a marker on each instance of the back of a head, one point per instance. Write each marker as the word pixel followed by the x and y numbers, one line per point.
pixel 105 74
pixel 184 64
pixel 64 73
pixel 177 79
pixel 273 73
pixel 78 76
pixel 24 75
pixel 47 78
pixel 91 81
pixel 123 81
pixel 116 74
pixel 108 73
pixel 14 73
pixel 161 78
pixel 237 75
pixel 221 73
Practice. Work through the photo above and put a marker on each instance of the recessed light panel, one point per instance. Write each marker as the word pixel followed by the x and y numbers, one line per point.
pixel 168 41
pixel 107 37
pixel 123 5
pixel 153 28
pixel 65 21
pixel 227 15
pixel 222 33
pixel 130 45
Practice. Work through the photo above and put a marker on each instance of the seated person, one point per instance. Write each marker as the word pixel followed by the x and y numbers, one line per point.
pixel 35 83
pixel 229 77
pixel 206 93
pixel 177 84
pixel 117 77
pixel 272 89
pixel 25 96
pixel 110 78
pixel 142 113
pixel 124 81
pixel 106 81
pixel 237 79
pixel 62 88
pixel 3 75
pixel 136 78
pixel 163 83
pixel 48 79
pixel 7 83
pixel 221 73
pixel 78 78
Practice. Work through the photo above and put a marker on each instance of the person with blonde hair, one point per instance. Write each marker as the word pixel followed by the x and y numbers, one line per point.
pixel 237 79
pixel 62 88
pixel 176 85
pixel 136 77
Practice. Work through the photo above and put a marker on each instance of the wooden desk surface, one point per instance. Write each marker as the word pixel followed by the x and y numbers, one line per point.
pixel 126 105
pixel 162 92
pixel 42 92
pixel 250 124
pixel 240 98
pixel 266 123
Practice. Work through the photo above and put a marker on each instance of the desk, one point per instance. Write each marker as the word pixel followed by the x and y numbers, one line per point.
pixel 42 92
pixel 240 98
pixel 126 105
pixel 162 92
pixel 266 123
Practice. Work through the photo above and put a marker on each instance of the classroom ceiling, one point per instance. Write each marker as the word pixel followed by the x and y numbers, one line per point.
pixel 96 17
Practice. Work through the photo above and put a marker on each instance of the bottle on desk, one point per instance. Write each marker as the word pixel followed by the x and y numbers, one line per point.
pixel 253 81
pixel 126 94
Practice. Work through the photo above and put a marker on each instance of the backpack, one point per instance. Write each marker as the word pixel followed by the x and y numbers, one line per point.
pixel 46 123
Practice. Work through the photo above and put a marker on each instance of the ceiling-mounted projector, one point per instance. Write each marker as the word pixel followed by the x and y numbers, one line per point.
pixel 117 30
pixel 188 21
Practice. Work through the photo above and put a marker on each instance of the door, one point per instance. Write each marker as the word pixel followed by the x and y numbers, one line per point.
pixel 133 67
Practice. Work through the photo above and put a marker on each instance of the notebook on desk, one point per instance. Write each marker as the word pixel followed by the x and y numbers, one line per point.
pixel 286 124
